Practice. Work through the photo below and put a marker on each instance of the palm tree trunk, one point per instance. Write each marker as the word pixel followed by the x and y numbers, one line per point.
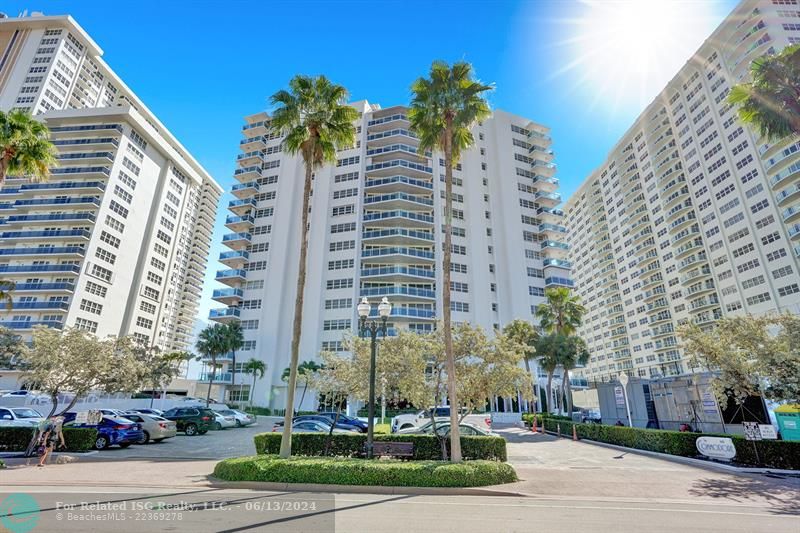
pixel 233 370
pixel 569 397
pixel 252 390
pixel 211 381
pixel 286 438
pixel 564 381
pixel 533 386
pixel 455 440
pixel 549 391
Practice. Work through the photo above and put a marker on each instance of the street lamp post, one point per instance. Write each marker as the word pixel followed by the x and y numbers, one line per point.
pixel 372 327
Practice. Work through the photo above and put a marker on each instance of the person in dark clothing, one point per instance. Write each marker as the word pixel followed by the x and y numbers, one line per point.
pixel 51 437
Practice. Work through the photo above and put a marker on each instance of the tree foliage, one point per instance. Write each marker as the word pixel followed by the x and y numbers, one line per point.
pixel 211 343
pixel 12 349
pixel 25 147
pixel 750 355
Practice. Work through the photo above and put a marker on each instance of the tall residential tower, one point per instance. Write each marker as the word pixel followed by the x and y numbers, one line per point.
pixel 376 230
pixel 692 217
pixel 116 241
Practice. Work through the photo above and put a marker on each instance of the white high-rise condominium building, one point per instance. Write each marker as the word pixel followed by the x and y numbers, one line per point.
pixel 116 241
pixel 692 217
pixel 376 230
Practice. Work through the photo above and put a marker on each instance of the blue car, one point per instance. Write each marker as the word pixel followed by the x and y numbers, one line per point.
pixel 111 431
pixel 348 420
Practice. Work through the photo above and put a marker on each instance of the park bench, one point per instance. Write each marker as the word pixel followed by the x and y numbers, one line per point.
pixel 403 450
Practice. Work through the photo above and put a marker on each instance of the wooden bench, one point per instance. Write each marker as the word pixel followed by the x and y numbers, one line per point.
pixel 404 450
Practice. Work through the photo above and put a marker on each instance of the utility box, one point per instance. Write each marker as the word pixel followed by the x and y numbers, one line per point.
pixel 611 397
pixel 788 418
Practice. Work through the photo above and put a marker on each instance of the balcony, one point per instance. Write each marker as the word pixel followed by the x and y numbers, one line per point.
pixel 235 258
pixel 39 251
pixel 407 312
pixel 28 269
pixel 232 277
pixel 256 128
pixel 250 158
pixel 794 232
pixel 252 143
pixel 80 144
pixel 219 377
pixel 80 202
pixel 224 315
pixel 558 282
pixel 40 306
pixel 247 174
pixel 783 176
pixel 398 149
pixel 244 190
pixel 242 207
pixel 556 263
pixel 47 219
pixel 788 194
pixel 91 171
pixel 397 183
pixel 46 234
pixel 397 200
pixel 71 186
pixel 236 241
pixel 398 217
pixel 63 131
pixel 552 230
pixel 86 157
pixel 385 123
pixel 389 136
pixel 398 255
pixel 791 214
pixel 387 168
pixel 397 236
pixel 548 197
pixel 550 215
pixel 555 249
pixel 403 292
pixel 398 273
pixel 232 296
pixel 239 223
pixel 43 287
pixel 30 324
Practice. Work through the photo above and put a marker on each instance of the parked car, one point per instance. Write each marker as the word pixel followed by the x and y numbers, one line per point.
pixel 242 419
pixel 222 421
pixel 110 431
pixel 119 413
pixel 146 411
pixel 19 394
pixel 421 418
pixel 443 429
pixel 154 427
pixel 309 426
pixel 349 420
pixel 19 417
pixel 322 419
pixel 191 420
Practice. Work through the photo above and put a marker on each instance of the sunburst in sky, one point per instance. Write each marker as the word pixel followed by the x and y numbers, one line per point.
pixel 621 53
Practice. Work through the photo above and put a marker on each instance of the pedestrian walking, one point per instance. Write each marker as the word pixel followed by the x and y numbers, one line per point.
pixel 51 436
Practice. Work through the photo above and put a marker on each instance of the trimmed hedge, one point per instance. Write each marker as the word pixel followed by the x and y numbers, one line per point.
pixel 426 447
pixel 771 453
pixel 271 468
pixel 16 439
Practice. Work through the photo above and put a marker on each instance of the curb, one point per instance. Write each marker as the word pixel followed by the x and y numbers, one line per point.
pixel 362 489
pixel 688 460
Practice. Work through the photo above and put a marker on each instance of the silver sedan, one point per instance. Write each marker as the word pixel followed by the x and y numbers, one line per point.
pixel 154 427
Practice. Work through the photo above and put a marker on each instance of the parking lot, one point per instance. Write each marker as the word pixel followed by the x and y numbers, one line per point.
pixel 231 442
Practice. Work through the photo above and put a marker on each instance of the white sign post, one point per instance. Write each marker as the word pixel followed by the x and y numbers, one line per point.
pixel 623 379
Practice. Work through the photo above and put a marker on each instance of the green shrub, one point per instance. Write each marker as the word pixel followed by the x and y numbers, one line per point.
pixel 771 453
pixel 16 439
pixel 426 447
pixel 387 473
pixel 263 411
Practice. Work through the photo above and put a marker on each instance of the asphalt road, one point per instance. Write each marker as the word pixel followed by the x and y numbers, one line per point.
pixel 204 510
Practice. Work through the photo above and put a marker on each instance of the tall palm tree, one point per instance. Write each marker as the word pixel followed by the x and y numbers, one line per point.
pixel 561 315
pixel 257 368
pixel 771 101
pixel 547 351
pixel 314 120
pixel 212 343
pixel 305 369
pixel 25 147
pixel 234 339
pixel 573 353
pixel 444 108
pixel 525 334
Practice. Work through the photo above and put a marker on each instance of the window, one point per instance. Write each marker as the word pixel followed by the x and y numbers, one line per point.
pixel 346 283
pixel 86 325
pixel 122 193
pixel 127 180
pixel 344 210
pixel 91 307
pixel 160 265
pixel 115 224
pixel 118 209
pixel 759 298
pixel 109 239
pixel 782 272
pixel 459 306
pixel 339 303
pixel 96 289
pixel 340 264
pixel 338 246
pixel 341 228
pixel 144 322
pixel 335 325
pixel 154 278
pixel 151 293
pixel 789 289
pixel 100 272
pixel 147 307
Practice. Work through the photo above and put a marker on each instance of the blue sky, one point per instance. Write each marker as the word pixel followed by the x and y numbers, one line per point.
pixel 201 66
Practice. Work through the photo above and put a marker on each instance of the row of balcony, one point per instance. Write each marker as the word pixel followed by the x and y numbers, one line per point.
pixel 71 186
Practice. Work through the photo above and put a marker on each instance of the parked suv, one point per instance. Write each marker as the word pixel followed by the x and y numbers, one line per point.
pixel 191 420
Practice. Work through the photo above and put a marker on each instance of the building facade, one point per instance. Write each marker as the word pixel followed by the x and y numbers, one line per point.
pixel 692 216
pixel 116 241
pixel 376 230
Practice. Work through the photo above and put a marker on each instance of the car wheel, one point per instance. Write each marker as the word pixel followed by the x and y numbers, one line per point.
pixel 191 430
pixel 238 424
pixel 145 438
pixel 101 443
pixel 203 432
pixel 217 426
pixel 125 444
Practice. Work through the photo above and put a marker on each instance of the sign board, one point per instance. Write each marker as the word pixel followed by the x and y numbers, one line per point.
pixel 82 417
pixel 716 447
pixel 709 404
pixel 89 418
pixel 751 431
pixel 767 431
pixel 619 396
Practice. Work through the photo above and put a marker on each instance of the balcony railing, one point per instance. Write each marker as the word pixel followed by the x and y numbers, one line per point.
pixel 399 163
pixel 556 263
pixel 80 170
pixel 375 182
pixel 87 127
pixel 398 196
pixel 30 324
pixel 564 282
pixel 231 273
pixel 407 312
pixel 378 252
pixel 45 233
pixel 398 291
pixel 227 312
pixel 235 254
pixel 62 306
pixel 40 268
pixel 388 271
pixel 219 377
pixel 383 120
pixel 44 250
pixel 61 216
pixel 397 232
pixel 61 286
pixel 398 213
pixel 54 186
pixel 227 293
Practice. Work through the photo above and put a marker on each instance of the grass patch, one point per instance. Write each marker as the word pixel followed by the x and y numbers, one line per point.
pixel 383 429
pixel 270 468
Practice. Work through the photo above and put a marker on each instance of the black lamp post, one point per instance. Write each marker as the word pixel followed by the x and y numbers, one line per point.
pixel 372 327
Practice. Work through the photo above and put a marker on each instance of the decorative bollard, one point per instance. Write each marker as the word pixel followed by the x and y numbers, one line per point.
pixel 574 433
pixel 558 428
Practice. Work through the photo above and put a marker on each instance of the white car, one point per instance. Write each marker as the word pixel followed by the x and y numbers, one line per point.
pixel 19 417
pixel 223 421
pixel 414 420
pixel 18 394
pixel 242 419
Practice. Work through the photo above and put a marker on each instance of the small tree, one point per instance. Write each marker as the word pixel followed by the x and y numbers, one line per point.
pixel 234 340
pixel 11 348
pixel 257 368
pixel 159 368
pixel 750 355
pixel 212 343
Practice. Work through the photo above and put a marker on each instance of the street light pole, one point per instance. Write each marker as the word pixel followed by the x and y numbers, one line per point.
pixel 372 327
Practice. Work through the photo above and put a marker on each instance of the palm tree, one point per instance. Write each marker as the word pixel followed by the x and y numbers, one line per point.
pixel 548 354
pixel 525 334
pixel 234 339
pixel 443 110
pixel 314 120
pixel 771 101
pixel 212 343
pixel 26 147
pixel 304 369
pixel 257 368
pixel 6 286
pixel 572 354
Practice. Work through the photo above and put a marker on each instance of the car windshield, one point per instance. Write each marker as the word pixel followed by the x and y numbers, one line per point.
pixel 26 413
pixel 158 418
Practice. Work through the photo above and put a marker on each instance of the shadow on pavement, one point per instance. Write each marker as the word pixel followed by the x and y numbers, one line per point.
pixel 782 495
